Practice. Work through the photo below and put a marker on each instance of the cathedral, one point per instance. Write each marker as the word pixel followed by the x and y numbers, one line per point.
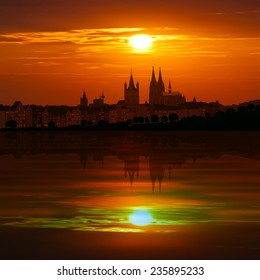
pixel 132 92
pixel 158 95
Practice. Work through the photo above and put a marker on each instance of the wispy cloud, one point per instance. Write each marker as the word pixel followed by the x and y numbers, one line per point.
pixel 81 36
pixel 98 46
pixel 110 36
pixel 49 63
pixel 244 12
pixel 247 12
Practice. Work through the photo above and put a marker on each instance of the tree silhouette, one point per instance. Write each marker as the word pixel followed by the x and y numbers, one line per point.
pixel 129 122
pixel 242 109
pixel 11 124
pixel 51 124
pixel 251 107
pixel 83 123
pixel 218 120
pixel 90 123
pixel 135 120
pixel 102 123
pixel 146 120
pixel 164 119
pixel 173 117
pixel 155 118
pixel 207 115
pixel 140 119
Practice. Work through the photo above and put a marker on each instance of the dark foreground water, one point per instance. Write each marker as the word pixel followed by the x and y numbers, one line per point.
pixel 130 195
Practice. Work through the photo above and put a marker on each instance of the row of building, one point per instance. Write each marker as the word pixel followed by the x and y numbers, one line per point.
pixel 161 103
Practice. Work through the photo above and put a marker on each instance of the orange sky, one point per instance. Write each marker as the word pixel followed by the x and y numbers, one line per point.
pixel 51 52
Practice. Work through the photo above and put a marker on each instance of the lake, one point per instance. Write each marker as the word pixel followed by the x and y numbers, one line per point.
pixel 130 195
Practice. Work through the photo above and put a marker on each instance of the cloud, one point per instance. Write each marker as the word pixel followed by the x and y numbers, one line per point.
pixel 10 39
pixel 242 12
pixel 81 36
pixel 247 12
pixel 44 63
pixel 98 47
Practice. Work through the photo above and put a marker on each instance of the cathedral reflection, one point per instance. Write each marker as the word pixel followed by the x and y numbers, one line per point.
pixel 159 166
pixel 132 166
pixel 156 154
pixel 157 170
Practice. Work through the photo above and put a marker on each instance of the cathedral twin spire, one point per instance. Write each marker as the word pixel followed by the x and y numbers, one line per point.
pixel 158 95
pixel 156 88
pixel 160 84
pixel 153 77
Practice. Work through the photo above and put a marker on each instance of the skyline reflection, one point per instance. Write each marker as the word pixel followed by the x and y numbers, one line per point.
pixel 177 185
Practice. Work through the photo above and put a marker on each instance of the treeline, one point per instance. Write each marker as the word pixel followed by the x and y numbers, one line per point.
pixel 242 118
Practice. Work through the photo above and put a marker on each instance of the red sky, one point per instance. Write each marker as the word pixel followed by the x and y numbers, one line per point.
pixel 51 51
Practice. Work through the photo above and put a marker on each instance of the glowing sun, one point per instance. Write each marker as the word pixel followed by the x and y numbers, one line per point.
pixel 141 42
pixel 141 218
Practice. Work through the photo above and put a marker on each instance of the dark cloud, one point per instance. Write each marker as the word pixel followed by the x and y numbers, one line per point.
pixel 29 15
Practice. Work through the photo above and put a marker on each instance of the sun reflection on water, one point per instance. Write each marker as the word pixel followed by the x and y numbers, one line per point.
pixel 141 217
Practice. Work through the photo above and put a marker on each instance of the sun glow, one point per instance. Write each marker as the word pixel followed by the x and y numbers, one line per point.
pixel 141 42
pixel 140 218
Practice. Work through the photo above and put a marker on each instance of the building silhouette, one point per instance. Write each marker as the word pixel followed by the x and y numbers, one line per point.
pixel 159 96
pixel 84 100
pixel 98 102
pixel 162 103
pixel 131 92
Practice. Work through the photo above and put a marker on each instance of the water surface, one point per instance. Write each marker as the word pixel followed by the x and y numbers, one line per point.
pixel 130 195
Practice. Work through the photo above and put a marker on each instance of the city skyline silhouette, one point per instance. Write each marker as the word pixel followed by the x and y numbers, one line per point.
pixel 164 105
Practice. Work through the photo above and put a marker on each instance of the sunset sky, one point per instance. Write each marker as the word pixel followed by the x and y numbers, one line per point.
pixel 50 51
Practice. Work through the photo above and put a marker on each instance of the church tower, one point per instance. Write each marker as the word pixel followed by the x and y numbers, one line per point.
pixel 84 100
pixel 161 87
pixel 156 89
pixel 153 95
pixel 132 92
